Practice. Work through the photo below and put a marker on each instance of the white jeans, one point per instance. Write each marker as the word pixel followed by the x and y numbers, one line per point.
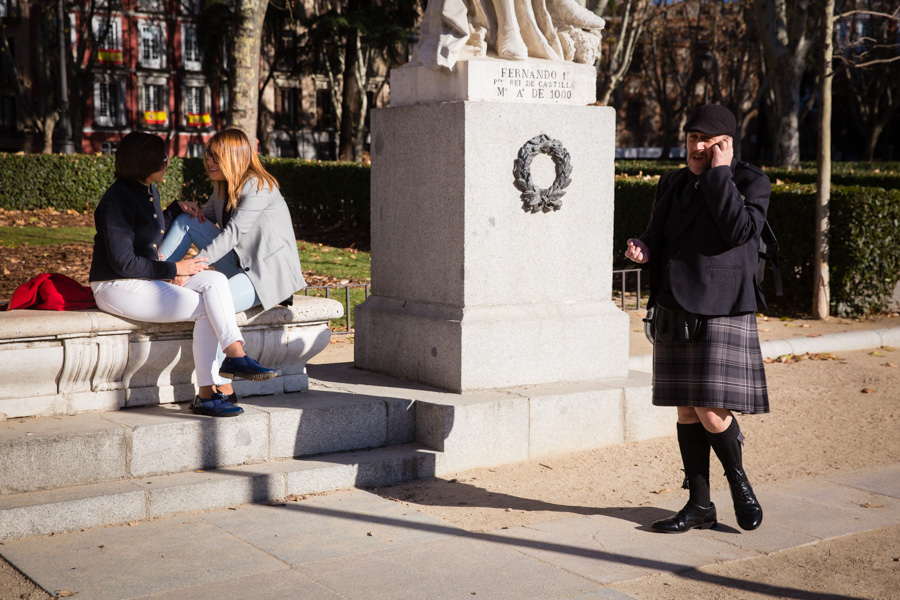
pixel 205 299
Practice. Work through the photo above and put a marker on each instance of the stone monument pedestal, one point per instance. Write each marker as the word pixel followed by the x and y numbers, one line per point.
pixel 469 290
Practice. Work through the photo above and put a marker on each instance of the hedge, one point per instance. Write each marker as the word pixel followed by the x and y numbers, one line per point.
pixel 865 212
pixel 319 194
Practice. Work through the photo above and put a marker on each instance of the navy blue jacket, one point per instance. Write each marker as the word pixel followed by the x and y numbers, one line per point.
pixel 130 226
pixel 712 260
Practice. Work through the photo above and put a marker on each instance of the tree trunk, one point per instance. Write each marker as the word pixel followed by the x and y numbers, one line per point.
pixel 782 32
pixel 821 292
pixel 49 122
pixel 350 102
pixel 244 64
pixel 631 25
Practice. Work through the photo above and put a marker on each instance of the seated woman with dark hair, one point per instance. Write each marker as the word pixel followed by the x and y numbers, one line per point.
pixel 129 280
pixel 245 229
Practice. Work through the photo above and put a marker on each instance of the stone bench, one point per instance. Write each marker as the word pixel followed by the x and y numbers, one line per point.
pixel 67 362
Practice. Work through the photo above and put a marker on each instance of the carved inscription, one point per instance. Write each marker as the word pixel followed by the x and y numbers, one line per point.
pixel 526 83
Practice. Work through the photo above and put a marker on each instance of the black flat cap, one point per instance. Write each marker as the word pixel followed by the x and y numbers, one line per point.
pixel 712 119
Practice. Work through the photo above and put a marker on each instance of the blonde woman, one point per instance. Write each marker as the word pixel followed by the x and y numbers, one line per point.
pixel 129 280
pixel 244 230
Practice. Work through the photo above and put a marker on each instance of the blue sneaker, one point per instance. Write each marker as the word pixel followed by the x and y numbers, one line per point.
pixel 217 406
pixel 245 368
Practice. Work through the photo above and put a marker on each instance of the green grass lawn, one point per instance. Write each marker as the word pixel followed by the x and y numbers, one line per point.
pixel 45 236
pixel 343 264
pixel 340 263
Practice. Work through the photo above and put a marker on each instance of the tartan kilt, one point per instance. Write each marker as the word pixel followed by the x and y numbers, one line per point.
pixel 722 367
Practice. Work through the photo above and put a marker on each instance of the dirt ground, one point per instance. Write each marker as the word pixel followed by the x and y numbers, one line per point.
pixel 830 413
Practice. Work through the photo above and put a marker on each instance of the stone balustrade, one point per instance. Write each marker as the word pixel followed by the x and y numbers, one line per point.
pixel 58 363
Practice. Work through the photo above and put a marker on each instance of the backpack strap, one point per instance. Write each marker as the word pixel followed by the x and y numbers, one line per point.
pixel 768 252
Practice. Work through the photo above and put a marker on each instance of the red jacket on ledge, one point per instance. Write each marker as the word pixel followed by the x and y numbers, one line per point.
pixel 52 291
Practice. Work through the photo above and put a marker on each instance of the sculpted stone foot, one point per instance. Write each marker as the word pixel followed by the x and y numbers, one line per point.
pixel 571 13
pixel 510 44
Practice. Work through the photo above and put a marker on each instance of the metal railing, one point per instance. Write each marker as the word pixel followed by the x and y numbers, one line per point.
pixel 623 273
pixel 348 313
pixel 348 306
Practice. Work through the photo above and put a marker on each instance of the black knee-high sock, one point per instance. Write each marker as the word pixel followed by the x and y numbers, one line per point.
pixel 727 445
pixel 694 448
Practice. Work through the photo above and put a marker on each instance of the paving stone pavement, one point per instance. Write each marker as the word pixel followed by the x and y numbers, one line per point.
pixel 354 544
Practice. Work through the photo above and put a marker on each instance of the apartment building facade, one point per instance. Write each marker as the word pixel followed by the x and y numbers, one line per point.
pixel 146 72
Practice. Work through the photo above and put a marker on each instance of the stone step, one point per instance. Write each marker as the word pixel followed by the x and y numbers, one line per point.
pixel 47 453
pixel 140 498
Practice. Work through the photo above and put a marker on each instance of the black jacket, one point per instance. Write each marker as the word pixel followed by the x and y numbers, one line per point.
pixel 130 226
pixel 712 260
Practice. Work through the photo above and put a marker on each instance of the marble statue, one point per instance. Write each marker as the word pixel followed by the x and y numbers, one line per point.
pixel 559 30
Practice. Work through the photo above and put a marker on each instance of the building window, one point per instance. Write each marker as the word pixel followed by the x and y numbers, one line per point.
pixel 324 110
pixel 108 147
pixel 8 114
pixel 151 45
pixel 154 6
pixel 287 149
pixel 9 9
pixel 287 103
pixel 190 7
pixel 109 103
pixel 223 99
pixel 190 48
pixel 153 98
pixel 196 150
pixel 108 34
pixel 196 108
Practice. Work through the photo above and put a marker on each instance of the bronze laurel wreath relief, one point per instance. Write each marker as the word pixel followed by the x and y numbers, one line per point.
pixel 536 199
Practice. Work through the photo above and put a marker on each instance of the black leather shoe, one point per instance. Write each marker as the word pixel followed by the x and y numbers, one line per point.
pixel 747 510
pixel 216 406
pixel 689 517
pixel 245 368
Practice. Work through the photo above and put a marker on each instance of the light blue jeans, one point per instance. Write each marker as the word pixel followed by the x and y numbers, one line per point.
pixel 185 231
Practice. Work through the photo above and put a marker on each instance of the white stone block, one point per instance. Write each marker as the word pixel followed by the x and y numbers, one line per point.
pixel 183 441
pixel 38 454
pixel 29 370
pixel 643 421
pixel 68 509
pixel 470 291
pixel 318 423
pixel 531 81
pixel 575 419
pixel 474 432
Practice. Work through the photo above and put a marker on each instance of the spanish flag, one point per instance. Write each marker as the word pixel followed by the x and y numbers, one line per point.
pixel 154 117
pixel 198 120
pixel 109 56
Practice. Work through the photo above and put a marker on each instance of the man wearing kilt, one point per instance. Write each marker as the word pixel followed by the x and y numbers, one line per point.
pixel 701 247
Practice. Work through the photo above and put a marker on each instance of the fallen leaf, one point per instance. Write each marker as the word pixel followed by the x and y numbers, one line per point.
pixel 870 505
pixel 815 335
pixel 763 329
pixel 65 594
pixel 867 391
pixel 806 325
pixel 546 466
pixel 875 353
pixel 887 348
pixel 662 491
pixel 890 364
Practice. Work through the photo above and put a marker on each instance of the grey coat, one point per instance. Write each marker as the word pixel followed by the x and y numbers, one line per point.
pixel 261 233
